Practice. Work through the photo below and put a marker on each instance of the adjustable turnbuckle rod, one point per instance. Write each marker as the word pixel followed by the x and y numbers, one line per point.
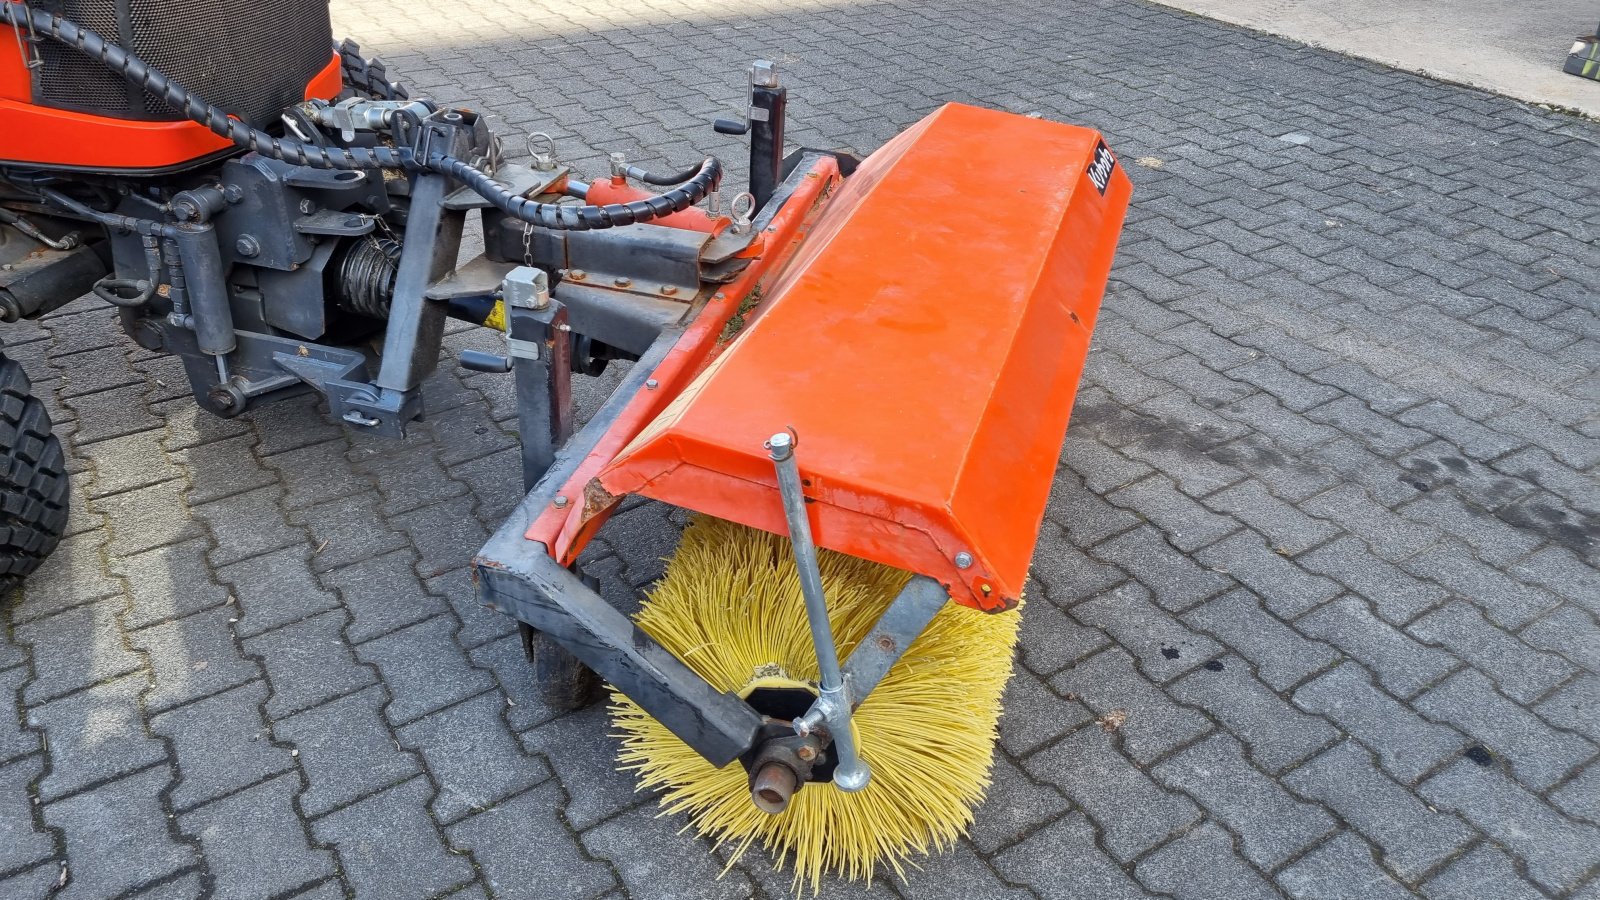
pixel 832 708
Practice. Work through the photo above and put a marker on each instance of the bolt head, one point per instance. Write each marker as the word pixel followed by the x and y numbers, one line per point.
pixel 667 290
pixel 652 384
pixel 622 281
pixel 307 207
pixel 577 274
pixel 963 560
pixel 807 753
pixel 561 502
pixel 222 397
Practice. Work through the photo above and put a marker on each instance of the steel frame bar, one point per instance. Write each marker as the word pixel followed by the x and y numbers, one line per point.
pixel 913 608
pixel 416 324
pixel 536 589
pixel 544 384
pixel 521 579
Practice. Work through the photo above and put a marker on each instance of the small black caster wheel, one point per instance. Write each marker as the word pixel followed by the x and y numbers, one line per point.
pixel 563 682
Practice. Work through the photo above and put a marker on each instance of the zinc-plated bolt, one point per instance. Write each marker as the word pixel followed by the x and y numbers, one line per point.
pixel 622 281
pixel 652 384
pixel 963 560
pixel 561 502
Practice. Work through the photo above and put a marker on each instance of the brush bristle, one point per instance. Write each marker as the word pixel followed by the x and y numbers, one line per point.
pixel 730 605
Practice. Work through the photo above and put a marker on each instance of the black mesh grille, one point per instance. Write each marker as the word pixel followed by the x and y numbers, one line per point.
pixel 67 77
pixel 251 59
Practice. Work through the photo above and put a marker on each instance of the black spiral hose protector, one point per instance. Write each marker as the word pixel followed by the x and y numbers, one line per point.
pixel 548 215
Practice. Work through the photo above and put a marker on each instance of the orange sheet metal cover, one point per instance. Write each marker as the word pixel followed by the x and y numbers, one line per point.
pixel 925 345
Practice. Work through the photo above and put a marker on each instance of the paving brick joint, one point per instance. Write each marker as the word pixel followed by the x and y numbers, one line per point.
pixel 1324 532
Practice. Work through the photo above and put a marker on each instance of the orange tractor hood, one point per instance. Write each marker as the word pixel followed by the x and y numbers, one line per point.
pixel 924 345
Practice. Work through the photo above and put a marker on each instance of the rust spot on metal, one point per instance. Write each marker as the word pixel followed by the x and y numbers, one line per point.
pixel 595 499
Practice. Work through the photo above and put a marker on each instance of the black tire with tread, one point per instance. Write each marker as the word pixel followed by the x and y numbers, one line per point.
pixel 367 78
pixel 33 478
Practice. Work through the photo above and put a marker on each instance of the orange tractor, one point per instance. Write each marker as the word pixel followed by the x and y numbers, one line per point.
pixel 859 372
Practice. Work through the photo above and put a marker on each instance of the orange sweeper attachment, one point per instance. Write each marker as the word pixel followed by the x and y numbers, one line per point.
pixel 886 386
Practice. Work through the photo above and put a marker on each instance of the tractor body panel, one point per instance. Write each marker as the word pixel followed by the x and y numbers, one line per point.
pixel 60 109
pixel 925 348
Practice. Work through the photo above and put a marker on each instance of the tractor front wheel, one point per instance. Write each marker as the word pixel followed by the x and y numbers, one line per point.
pixel 33 478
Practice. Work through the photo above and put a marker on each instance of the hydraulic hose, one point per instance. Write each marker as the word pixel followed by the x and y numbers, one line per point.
pixel 667 180
pixel 130 292
pixel 549 215
pixel 579 218
pixel 67 242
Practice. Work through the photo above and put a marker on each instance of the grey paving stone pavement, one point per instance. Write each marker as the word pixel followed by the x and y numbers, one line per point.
pixel 1324 534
